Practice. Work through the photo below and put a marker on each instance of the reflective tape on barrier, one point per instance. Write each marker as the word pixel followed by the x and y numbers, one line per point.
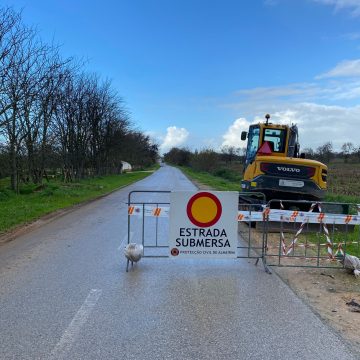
pixel 276 215
pixel 155 211
pixel 299 217
pixel 312 217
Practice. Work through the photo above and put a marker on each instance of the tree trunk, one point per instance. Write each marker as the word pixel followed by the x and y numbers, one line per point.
pixel 13 166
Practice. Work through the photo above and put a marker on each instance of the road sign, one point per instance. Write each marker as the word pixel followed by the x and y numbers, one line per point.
pixel 203 224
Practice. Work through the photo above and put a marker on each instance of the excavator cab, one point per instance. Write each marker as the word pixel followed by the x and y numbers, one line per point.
pixel 275 167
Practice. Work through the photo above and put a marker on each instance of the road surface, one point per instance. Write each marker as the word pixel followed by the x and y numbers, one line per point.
pixel 64 294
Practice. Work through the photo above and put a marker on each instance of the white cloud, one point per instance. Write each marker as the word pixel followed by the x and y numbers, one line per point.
pixel 328 88
pixel 352 5
pixel 346 68
pixel 232 137
pixel 317 124
pixel 325 110
pixel 321 123
pixel 285 117
pixel 279 91
pixel 174 137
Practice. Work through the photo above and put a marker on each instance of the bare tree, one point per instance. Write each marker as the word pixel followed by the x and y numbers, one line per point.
pixel 17 85
pixel 230 153
pixel 12 35
pixel 325 152
pixel 347 149
pixel 309 153
pixel 51 112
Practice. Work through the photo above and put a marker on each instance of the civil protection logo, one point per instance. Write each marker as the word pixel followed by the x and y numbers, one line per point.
pixel 204 209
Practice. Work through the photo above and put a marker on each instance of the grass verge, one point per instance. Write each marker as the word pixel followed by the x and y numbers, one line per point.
pixel 215 182
pixel 349 240
pixel 36 201
pixel 340 198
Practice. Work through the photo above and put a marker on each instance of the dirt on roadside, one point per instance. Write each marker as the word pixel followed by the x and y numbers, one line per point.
pixel 326 291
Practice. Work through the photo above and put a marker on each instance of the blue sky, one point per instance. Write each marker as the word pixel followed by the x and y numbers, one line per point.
pixel 196 73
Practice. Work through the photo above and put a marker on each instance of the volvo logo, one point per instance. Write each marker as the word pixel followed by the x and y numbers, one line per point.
pixel 288 169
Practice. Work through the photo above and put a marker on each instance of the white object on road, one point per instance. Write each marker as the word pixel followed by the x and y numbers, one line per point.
pixel 133 252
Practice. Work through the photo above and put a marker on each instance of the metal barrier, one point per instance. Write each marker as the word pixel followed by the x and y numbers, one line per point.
pixel 280 233
pixel 252 242
pixel 312 234
pixel 148 224
pixel 146 215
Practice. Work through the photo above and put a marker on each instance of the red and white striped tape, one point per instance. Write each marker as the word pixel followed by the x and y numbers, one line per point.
pixel 277 215
pixel 282 236
pixel 327 235
pixel 301 228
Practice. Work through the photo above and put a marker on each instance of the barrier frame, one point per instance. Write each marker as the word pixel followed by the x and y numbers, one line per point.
pixel 260 249
pixel 143 204
pixel 321 261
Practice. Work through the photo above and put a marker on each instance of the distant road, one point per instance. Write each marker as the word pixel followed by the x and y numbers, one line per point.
pixel 64 294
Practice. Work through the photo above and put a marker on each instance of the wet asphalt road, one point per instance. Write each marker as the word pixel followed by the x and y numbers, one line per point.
pixel 64 294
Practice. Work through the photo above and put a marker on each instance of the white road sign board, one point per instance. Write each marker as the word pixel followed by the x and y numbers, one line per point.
pixel 203 224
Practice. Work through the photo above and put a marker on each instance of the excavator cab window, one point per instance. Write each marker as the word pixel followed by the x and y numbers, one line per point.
pixel 276 139
pixel 253 144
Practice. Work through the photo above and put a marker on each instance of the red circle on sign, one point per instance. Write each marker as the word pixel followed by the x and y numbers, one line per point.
pixel 174 252
pixel 197 196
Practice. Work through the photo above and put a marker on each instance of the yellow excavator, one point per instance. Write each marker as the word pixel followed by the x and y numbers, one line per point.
pixel 275 167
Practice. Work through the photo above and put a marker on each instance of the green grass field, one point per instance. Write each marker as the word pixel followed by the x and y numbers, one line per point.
pixel 215 182
pixel 343 182
pixel 35 201
pixel 349 241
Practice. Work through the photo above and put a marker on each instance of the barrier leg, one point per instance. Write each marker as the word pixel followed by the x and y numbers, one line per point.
pixel 266 268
